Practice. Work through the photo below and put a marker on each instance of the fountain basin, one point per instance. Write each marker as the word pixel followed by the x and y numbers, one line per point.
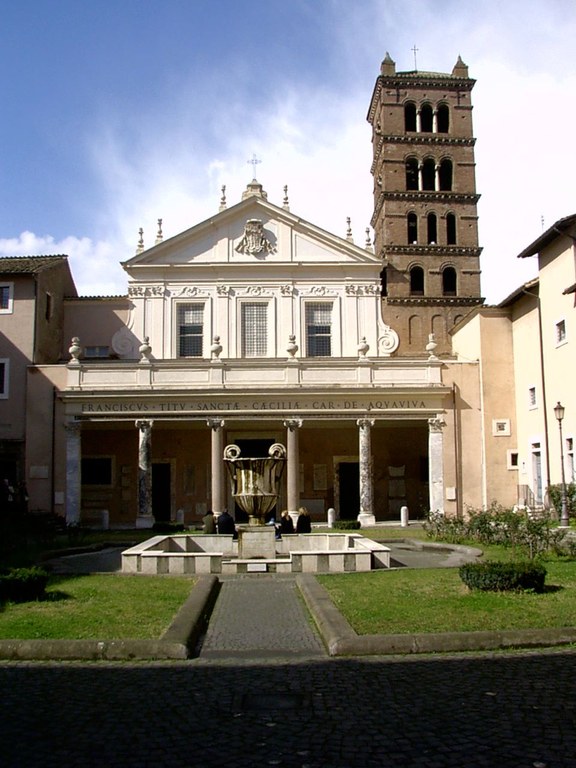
pixel 297 553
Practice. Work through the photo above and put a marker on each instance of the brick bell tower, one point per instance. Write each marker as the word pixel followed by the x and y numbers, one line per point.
pixel 425 219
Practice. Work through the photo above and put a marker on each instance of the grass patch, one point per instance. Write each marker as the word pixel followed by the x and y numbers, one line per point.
pixel 436 600
pixel 99 607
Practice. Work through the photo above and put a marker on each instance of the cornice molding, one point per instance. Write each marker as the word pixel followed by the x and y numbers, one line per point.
pixel 415 195
pixel 434 301
pixel 436 250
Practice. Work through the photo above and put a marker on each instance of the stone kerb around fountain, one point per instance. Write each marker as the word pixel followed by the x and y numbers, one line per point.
pixel 293 553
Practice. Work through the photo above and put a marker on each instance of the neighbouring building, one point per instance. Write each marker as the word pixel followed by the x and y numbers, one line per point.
pixel 379 368
pixel 32 292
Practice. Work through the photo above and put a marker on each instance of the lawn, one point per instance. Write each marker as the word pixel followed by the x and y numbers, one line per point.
pixel 108 606
pixel 435 600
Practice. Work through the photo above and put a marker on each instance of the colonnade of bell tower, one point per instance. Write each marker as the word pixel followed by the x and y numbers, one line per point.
pixel 425 217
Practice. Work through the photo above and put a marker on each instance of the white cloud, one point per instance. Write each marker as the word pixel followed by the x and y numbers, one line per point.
pixel 170 161
pixel 94 265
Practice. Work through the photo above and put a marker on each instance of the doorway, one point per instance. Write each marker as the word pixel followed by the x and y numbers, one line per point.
pixel 349 489
pixel 161 491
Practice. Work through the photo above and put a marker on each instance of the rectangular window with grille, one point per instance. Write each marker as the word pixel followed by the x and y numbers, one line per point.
pixel 319 329
pixel 560 332
pixel 254 320
pixel 6 298
pixel 190 329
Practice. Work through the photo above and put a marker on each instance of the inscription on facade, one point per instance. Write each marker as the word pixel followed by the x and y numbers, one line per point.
pixel 253 405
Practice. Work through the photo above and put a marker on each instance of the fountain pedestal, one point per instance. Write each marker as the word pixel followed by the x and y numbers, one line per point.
pixel 256 542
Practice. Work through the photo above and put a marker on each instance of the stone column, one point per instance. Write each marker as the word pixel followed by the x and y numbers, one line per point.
pixel 144 518
pixel 217 466
pixel 418 121
pixel 436 463
pixel 435 121
pixel 420 176
pixel 366 515
pixel 73 473
pixel 437 178
pixel 293 467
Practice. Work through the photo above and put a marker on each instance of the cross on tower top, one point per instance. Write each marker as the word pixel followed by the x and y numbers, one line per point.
pixel 415 51
pixel 253 162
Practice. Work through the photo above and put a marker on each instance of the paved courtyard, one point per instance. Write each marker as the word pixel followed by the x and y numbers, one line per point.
pixel 261 691
pixel 509 711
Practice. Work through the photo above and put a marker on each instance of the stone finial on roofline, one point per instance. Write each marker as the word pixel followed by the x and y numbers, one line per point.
pixel 388 66
pixel 292 347
pixel 460 69
pixel 285 202
pixel 349 230
pixel 363 348
pixel 140 246
pixel 159 235
pixel 145 350
pixel 368 244
pixel 75 351
pixel 223 199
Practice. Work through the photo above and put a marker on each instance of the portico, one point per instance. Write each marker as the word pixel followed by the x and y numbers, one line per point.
pixel 384 439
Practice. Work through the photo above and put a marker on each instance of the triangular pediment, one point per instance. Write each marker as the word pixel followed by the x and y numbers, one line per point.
pixel 250 234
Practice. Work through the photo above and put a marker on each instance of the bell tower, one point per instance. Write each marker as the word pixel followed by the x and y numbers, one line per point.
pixel 425 217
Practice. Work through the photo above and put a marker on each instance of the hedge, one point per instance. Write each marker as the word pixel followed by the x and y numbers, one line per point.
pixel 21 585
pixel 503 577
pixel 346 525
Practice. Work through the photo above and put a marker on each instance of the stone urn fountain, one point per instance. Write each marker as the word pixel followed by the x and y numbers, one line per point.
pixel 255 481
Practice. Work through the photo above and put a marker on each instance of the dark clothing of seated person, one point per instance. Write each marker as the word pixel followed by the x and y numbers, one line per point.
pixel 286 524
pixel 225 523
pixel 303 524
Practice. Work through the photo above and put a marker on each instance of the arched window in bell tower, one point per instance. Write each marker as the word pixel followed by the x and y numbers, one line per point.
pixel 449 281
pixel 426 118
pixel 412 221
pixel 416 281
pixel 410 116
pixel 429 174
pixel 432 225
pixel 445 175
pixel 450 229
pixel 411 173
pixel 443 118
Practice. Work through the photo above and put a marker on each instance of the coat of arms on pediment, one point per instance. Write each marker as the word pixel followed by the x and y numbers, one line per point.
pixel 254 240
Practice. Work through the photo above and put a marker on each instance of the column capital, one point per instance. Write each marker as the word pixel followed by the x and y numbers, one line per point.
pixel 215 423
pixel 292 424
pixel 73 427
pixel 436 424
pixel 365 422
pixel 144 424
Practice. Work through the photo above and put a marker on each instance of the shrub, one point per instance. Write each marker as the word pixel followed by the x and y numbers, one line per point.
pixel 503 577
pixel 168 528
pixel 453 530
pixel 346 525
pixel 555 495
pixel 497 525
pixel 21 585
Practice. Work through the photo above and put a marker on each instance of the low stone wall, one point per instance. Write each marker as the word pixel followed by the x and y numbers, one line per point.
pixel 298 553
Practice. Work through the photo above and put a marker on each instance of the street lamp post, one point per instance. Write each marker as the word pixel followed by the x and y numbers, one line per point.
pixel 564 519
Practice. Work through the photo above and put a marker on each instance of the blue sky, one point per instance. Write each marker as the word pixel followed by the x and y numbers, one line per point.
pixel 120 112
